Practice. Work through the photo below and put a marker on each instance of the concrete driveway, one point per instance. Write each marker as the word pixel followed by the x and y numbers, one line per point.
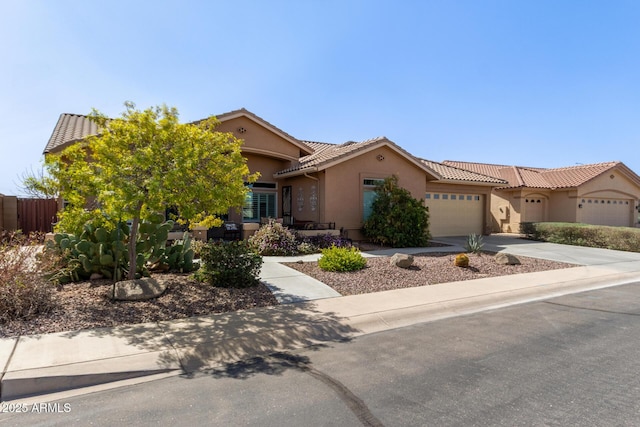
pixel 551 251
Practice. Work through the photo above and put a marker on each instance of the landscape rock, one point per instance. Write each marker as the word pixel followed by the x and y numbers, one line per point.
pixel 96 276
pixel 402 260
pixel 506 259
pixel 138 290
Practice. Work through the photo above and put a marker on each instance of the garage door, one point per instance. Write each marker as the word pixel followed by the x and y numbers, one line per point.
pixel 615 212
pixel 455 214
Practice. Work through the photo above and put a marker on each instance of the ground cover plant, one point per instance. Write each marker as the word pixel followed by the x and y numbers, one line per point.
pixel 595 236
pixel 341 259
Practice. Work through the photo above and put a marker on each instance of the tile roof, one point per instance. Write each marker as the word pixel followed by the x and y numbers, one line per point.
pixel 453 173
pixel 74 127
pixel 325 154
pixel 70 128
pixel 519 176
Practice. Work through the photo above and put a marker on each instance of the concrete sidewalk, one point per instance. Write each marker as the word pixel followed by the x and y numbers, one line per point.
pixel 83 360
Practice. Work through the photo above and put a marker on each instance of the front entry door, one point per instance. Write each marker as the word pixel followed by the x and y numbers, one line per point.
pixel 286 205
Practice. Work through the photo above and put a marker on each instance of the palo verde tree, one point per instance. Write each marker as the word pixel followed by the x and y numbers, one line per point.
pixel 397 219
pixel 145 161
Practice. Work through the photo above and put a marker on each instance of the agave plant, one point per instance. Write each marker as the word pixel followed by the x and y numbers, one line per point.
pixel 474 243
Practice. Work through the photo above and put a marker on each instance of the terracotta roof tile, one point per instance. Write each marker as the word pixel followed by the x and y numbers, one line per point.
pixel 70 128
pixel 453 173
pixel 519 176
pixel 327 153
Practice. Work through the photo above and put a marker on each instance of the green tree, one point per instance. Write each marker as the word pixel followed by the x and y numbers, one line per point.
pixel 397 219
pixel 145 161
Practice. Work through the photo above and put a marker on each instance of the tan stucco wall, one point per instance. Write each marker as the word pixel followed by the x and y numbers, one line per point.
pixel 618 187
pixel 344 189
pixel 563 206
pixel 260 139
pixel 506 210
pixel 267 166
pixel 303 186
pixel 467 189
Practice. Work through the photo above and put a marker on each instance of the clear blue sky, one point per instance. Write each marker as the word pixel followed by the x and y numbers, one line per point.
pixel 543 83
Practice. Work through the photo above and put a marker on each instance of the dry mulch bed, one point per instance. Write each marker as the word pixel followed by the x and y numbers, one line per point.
pixel 428 269
pixel 86 305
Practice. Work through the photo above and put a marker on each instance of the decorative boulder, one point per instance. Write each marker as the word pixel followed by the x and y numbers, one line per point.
pixel 506 259
pixel 402 260
pixel 138 290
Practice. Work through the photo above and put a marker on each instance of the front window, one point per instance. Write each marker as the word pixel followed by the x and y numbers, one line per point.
pixel 369 195
pixel 259 205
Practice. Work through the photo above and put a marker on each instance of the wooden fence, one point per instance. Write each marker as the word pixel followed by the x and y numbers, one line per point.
pixel 37 215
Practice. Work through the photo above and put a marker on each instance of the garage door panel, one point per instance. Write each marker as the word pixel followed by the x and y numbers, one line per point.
pixel 614 212
pixel 455 214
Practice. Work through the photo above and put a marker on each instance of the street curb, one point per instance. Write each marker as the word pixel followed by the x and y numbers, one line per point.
pixel 298 325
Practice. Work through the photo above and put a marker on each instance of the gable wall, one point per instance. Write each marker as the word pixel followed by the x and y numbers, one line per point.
pixel 343 203
pixel 260 138
pixel 604 186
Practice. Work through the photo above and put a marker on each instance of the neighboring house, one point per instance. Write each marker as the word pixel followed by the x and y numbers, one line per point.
pixel 313 182
pixel 602 194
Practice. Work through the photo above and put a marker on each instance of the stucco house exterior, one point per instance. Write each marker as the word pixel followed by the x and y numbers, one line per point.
pixel 603 194
pixel 305 182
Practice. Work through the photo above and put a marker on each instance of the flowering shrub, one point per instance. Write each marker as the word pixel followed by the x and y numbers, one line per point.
pixel 274 239
pixel 326 241
pixel 341 259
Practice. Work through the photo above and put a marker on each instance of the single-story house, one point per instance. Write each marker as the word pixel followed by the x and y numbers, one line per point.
pixel 332 185
pixel 602 194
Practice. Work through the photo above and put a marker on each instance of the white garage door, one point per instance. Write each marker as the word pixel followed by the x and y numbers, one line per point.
pixel 615 212
pixel 455 214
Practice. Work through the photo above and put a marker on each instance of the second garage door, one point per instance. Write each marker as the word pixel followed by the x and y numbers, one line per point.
pixel 455 214
pixel 615 212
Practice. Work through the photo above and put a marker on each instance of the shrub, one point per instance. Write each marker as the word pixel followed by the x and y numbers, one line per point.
pixel 229 264
pixel 474 244
pixel 341 259
pixel 397 219
pixel 324 241
pixel 24 290
pixel 274 239
pixel 597 236
pixel 461 260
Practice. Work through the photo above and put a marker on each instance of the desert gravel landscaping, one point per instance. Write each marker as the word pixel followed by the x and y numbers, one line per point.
pixel 428 269
pixel 86 305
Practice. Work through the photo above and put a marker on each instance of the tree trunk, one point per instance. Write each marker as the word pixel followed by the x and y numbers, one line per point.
pixel 133 238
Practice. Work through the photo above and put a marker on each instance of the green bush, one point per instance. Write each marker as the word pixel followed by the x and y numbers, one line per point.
pixel 341 259
pixel 274 239
pixel 229 264
pixel 24 290
pixel 397 219
pixel 595 236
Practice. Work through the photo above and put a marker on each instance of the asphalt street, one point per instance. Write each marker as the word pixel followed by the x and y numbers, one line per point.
pixel 572 360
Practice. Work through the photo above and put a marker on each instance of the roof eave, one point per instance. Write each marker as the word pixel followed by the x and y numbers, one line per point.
pixel 296 172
